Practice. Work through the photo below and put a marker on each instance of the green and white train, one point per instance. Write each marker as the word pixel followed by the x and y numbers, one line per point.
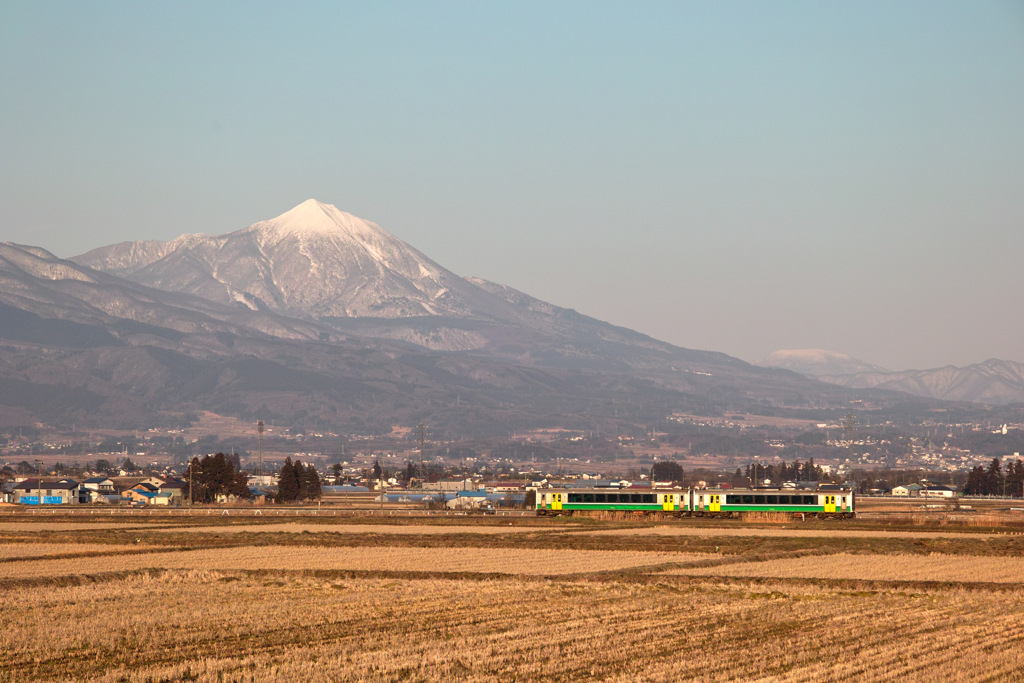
pixel 838 503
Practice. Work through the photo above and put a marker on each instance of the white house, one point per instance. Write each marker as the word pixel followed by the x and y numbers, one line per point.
pixel 938 491
pixel 907 490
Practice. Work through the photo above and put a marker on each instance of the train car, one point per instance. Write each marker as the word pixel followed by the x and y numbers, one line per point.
pixel 697 502
pixel 733 502
pixel 571 501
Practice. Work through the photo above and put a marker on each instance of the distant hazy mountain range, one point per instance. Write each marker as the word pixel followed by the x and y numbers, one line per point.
pixel 319 316
pixel 996 382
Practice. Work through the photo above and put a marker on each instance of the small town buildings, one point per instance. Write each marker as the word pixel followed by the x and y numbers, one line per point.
pixel 176 490
pixel 62 492
pixel 907 490
pixel 138 496
pixel 260 496
pixel 451 485
pixel 464 500
pixel 938 491
pixel 97 490
pixel 103 485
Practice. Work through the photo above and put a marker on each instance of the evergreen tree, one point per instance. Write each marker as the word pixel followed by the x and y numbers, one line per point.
pixel 312 483
pixel 301 482
pixel 667 471
pixel 976 482
pixel 994 478
pixel 193 475
pixel 1015 479
pixel 287 484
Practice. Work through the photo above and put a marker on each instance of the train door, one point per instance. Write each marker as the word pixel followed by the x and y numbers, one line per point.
pixel 715 501
pixel 842 504
pixel 830 503
pixel 699 505
pixel 668 502
pixel 556 501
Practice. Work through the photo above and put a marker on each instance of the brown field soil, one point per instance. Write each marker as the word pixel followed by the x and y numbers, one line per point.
pixel 459 600
pixel 46 525
pixel 404 529
pixel 772 532
pixel 10 551
pixel 943 568
pixel 403 559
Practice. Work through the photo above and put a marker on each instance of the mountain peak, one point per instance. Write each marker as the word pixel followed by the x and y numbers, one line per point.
pixel 312 217
pixel 817 362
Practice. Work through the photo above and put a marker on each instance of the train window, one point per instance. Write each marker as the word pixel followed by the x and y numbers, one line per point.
pixel 575 498
pixel 759 500
pixel 637 498
pixel 783 500
pixel 599 498
pixel 747 500
pixel 810 500
pixel 588 497
pixel 648 498
pixel 772 500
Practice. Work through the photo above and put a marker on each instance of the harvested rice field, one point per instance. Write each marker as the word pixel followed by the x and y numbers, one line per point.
pixel 942 568
pixel 404 529
pixel 770 531
pixel 360 559
pixel 480 600
pixel 63 526
pixel 11 551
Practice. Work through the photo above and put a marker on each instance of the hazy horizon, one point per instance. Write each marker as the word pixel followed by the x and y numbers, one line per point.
pixel 733 177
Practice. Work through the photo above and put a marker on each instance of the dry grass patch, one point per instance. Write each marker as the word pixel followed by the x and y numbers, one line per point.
pixel 66 526
pixel 942 568
pixel 9 551
pixel 775 532
pixel 384 529
pixel 366 559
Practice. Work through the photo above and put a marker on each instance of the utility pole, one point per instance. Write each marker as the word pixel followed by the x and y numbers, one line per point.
pixel 259 451
pixel 39 483
pixel 421 431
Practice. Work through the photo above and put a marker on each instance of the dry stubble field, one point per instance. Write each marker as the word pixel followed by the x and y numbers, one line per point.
pixel 227 599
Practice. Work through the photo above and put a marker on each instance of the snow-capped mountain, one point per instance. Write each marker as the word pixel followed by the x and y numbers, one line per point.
pixel 321 264
pixel 817 362
pixel 313 261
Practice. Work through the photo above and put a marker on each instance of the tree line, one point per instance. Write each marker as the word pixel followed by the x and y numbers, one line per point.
pixel 780 472
pixel 993 481
pixel 213 476
pixel 297 482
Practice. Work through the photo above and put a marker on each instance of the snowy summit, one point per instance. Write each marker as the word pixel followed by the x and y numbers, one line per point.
pixel 316 218
pixel 312 261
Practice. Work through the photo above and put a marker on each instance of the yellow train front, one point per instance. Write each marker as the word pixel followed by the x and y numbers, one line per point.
pixel 822 503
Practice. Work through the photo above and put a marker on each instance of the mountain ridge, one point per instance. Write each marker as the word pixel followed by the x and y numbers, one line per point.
pixel 244 324
pixel 994 381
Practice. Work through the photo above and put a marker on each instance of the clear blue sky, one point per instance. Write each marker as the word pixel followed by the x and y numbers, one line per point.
pixel 734 176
